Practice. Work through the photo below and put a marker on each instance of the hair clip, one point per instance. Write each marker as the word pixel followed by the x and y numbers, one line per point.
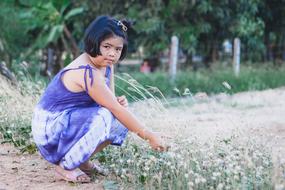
pixel 124 27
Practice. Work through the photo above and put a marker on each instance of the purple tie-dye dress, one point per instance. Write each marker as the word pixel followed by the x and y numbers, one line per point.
pixel 68 126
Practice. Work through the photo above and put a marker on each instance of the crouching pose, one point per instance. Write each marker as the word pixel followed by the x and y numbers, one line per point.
pixel 78 114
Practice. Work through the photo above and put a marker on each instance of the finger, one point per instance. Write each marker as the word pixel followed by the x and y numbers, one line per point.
pixel 121 100
pixel 167 148
pixel 125 101
pixel 99 58
pixel 123 97
pixel 100 61
pixel 166 137
pixel 161 149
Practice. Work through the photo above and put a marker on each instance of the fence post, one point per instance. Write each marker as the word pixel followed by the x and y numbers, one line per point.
pixel 173 57
pixel 236 57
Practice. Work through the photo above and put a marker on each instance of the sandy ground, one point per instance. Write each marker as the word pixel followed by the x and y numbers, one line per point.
pixel 258 114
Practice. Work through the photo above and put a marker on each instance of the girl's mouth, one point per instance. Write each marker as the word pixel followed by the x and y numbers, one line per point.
pixel 110 60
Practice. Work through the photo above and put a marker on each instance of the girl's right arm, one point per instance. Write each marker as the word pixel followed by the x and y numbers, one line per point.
pixel 100 92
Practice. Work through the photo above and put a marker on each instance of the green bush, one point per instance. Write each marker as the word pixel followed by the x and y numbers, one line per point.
pixel 209 81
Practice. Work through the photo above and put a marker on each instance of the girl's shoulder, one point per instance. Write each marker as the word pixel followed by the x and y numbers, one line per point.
pixel 78 76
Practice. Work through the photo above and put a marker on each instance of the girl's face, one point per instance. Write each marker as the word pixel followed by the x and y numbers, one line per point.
pixel 111 48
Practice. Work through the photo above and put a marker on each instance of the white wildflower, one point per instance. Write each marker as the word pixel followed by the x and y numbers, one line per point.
pixel 190 184
pixel 220 186
pixel 197 181
pixel 279 187
pixel 203 180
pixel 236 177
pixel 227 85
pixel 186 175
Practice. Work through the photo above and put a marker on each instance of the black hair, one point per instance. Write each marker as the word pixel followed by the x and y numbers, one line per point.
pixel 102 28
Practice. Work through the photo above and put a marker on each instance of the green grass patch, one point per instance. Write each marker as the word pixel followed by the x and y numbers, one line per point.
pixel 208 81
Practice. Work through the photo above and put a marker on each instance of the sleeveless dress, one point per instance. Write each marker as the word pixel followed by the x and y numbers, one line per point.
pixel 68 126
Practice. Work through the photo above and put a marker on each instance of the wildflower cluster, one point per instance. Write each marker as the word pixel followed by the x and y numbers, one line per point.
pixel 189 165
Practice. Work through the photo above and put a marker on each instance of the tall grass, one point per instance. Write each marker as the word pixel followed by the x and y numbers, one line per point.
pixel 238 162
pixel 16 107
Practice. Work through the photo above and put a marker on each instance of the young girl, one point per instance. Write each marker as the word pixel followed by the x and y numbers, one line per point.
pixel 78 114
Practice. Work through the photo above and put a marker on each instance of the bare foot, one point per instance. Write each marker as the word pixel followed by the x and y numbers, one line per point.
pixel 75 176
pixel 86 166
pixel 89 168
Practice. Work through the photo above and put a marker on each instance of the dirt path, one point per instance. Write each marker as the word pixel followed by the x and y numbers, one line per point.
pixel 255 113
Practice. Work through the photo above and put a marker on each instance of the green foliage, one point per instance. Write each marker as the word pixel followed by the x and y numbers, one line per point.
pixel 13 38
pixel 251 78
pixel 49 19
pixel 201 26
pixel 41 23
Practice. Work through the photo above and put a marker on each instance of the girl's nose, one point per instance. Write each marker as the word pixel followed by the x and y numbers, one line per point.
pixel 112 53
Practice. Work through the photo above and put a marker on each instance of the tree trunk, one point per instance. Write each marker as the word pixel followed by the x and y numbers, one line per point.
pixel 58 63
pixel 190 62
pixel 214 52
pixel 50 62
pixel 75 49
pixel 268 54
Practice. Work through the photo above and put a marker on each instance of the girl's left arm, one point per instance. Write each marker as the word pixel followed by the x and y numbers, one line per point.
pixel 101 94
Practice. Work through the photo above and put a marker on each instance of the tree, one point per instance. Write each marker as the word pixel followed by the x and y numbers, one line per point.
pixel 249 27
pixel 273 14
pixel 48 23
pixel 43 25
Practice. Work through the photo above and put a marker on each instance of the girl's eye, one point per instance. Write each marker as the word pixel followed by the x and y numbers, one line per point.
pixel 118 49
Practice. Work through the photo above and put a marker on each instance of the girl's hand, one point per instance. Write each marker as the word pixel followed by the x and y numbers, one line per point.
pixel 158 144
pixel 123 101
pixel 99 61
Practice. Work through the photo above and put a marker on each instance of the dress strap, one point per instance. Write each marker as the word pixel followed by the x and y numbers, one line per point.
pixel 88 68
pixel 108 71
